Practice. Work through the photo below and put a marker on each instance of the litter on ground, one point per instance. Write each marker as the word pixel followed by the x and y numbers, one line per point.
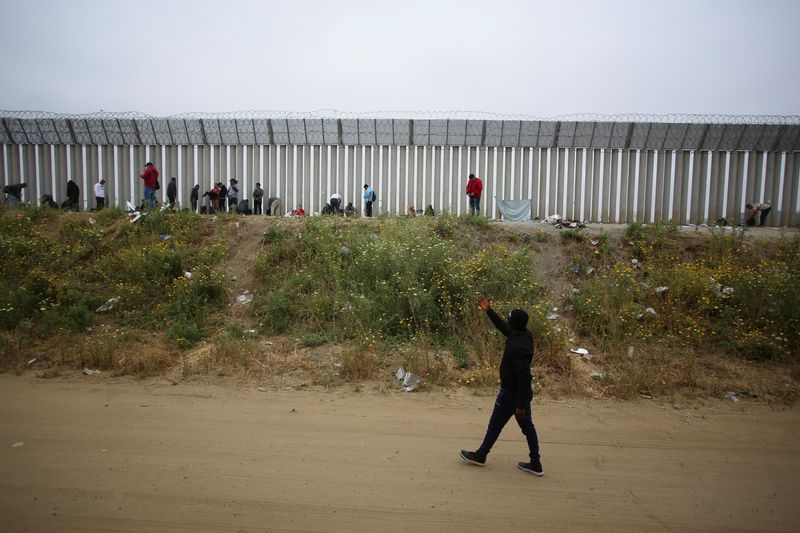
pixel 410 381
pixel 108 305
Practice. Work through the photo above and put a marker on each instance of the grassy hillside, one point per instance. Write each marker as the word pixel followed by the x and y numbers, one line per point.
pixel 660 311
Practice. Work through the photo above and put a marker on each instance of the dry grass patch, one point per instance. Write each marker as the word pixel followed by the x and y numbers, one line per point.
pixel 226 355
pixel 115 350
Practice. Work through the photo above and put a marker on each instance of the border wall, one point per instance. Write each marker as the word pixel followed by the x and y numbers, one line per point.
pixel 592 170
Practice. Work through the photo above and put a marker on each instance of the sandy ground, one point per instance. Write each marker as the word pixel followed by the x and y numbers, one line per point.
pixel 101 454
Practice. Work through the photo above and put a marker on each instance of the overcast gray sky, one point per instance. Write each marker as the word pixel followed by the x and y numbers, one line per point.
pixel 541 58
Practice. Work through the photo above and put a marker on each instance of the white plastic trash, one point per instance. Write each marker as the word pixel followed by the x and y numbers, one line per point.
pixel 410 382
pixel 108 305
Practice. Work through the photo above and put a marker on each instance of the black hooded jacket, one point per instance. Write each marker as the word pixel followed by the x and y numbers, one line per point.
pixel 73 191
pixel 515 367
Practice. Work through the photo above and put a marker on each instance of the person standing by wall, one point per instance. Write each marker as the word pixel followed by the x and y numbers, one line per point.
pixel 233 195
pixel 258 198
pixel 193 197
pixel 150 178
pixel 223 197
pixel 474 189
pixel 369 198
pixel 172 192
pixel 515 394
pixel 14 194
pixel 73 194
pixel 100 194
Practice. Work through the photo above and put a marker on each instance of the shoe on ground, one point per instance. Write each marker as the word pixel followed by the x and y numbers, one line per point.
pixel 473 458
pixel 531 468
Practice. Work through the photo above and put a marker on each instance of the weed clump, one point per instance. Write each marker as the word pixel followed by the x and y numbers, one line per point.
pixel 737 296
pixel 395 283
pixel 62 268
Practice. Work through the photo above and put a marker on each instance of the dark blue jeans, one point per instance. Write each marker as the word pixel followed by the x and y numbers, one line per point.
pixel 503 410
pixel 474 205
pixel 150 197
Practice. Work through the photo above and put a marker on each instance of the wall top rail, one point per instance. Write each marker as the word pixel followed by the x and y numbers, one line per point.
pixel 664 132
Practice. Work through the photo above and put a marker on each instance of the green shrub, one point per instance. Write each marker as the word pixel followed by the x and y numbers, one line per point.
pixel 742 298
pixel 479 221
pixel 74 318
pixel 634 231
pixel 184 335
pixel 314 339
pixel 276 315
pixel 60 273
pixel 274 234
pixel 573 235
pixel 393 281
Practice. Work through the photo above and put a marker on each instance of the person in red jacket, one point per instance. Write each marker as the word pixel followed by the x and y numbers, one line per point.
pixel 474 189
pixel 150 177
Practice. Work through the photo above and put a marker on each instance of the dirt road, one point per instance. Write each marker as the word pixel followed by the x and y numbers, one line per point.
pixel 101 454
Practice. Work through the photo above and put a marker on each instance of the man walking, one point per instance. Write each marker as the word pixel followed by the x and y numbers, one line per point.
pixel 258 197
pixel 100 194
pixel 515 394
pixel 474 189
pixel 369 197
pixel 150 178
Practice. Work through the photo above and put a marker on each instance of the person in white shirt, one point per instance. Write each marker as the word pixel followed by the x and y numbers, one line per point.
pixel 100 194
pixel 336 203
pixel 756 214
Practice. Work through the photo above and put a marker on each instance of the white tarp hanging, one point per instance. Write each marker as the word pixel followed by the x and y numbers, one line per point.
pixel 515 210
